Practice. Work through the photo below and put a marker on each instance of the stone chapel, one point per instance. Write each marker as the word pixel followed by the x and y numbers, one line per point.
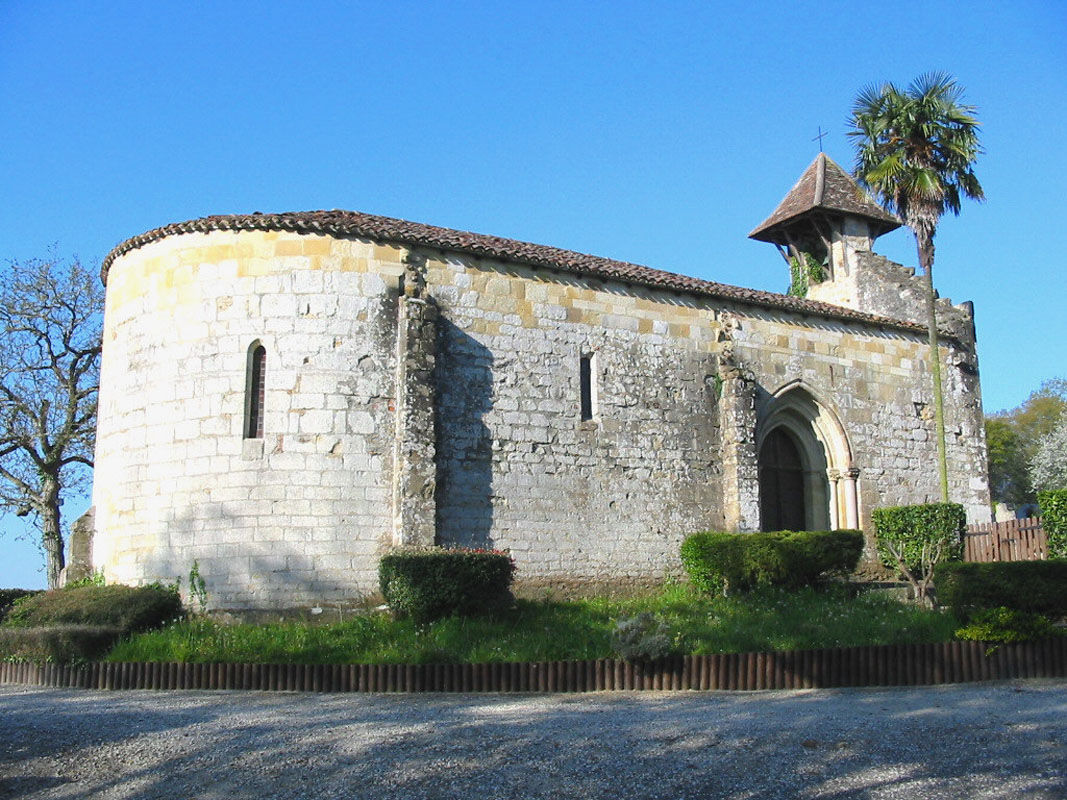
pixel 284 397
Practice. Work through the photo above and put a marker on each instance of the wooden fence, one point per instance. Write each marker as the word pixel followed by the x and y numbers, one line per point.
pixel 1012 540
pixel 881 665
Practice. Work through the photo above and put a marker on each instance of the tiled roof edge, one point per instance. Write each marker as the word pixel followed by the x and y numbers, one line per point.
pixel 389 229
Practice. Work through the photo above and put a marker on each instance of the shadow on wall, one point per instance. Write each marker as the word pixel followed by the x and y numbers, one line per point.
pixel 241 572
pixel 464 383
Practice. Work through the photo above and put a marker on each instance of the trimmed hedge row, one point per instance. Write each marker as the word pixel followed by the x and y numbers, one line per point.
pixel 428 584
pixel 58 644
pixel 1038 587
pixel 131 609
pixel 724 562
pixel 1054 520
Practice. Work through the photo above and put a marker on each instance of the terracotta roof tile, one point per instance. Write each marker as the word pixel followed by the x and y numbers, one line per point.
pixel 388 229
pixel 824 186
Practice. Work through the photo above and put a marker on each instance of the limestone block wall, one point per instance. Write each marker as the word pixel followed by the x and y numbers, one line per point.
pixel 519 468
pixel 299 516
pixel 411 395
pixel 877 382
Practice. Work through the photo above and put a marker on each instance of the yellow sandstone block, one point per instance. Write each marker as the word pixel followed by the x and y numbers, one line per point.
pixel 243 248
pixel 384 252
pixel 316 245
pixel 219 252
pixel 288 247
pixel 253 267
pixel 498 286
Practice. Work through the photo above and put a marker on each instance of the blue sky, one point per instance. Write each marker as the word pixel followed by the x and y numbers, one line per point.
pixel 658 133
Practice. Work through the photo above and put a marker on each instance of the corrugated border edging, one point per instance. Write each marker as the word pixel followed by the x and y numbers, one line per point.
pixel 883 665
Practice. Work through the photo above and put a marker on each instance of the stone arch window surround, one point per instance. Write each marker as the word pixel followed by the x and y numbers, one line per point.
pixel 255 391
pixel 830 492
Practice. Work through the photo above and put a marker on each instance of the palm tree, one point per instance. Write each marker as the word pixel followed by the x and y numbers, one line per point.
pixel 915 151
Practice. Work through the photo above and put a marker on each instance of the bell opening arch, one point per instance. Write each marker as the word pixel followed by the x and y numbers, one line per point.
pixel 807 479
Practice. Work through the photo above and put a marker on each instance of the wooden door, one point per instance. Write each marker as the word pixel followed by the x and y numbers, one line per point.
pixel 781 480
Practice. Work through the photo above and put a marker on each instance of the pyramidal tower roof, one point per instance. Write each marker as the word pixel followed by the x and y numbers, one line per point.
pixel 827 189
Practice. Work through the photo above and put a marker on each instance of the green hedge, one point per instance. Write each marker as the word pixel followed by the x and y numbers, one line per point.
pixel 1054 520
pixel 912 527
pixel 1007 626
pixel 59 644
pixel 433 583
pixel 1039 587
pixel 725 562
pixel 9 596
pixel 131 609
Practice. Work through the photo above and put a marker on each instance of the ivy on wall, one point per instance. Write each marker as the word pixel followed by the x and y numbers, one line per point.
pixel 803 275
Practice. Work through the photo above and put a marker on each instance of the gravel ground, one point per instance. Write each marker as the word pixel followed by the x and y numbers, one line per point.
pixel 965 741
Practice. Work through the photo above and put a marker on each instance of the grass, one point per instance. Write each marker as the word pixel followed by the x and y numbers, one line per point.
pixel 548 631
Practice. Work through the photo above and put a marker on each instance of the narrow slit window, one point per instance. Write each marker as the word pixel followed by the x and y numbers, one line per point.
pixel 587 379
pixel 256 391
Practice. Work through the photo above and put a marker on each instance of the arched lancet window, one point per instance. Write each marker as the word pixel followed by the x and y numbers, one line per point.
pixel 255 390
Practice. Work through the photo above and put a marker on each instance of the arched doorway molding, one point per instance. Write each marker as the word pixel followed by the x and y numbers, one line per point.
pixel 830 496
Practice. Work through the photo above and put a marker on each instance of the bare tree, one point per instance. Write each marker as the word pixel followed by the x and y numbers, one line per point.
pixel 50 329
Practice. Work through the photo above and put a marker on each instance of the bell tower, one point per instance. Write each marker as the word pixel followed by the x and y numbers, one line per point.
pixel 821 227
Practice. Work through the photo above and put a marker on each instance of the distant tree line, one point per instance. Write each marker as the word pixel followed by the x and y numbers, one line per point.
pixel 1028 446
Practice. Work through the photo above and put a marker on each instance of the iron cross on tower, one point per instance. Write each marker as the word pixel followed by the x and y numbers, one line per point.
pixel 819 137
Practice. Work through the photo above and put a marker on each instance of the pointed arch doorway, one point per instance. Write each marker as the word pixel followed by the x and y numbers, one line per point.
pixel 783 496
pixel 806 477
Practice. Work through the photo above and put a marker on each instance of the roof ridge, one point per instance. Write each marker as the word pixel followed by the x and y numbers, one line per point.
pixel 353 223
pixel 820 180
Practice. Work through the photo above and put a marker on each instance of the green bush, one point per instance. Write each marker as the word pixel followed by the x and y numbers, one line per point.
pixel 129 608
pixel 428 584
pixel 9 596
pixel 910 529
pixel 914 539
pixel 725 562
pixel 1007 625
pixel 1054 520
pixel 642 638
pixel 1038 587
pixel 60 644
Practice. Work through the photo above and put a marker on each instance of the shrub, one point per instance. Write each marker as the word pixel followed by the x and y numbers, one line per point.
pixel 1054 520
pixel 129 608
pixel 92 579
pixel 60 644
pixel 724 562
pixel 433 583
pixel 9 596
pixel 915 539
pixel 1038 587
pixel 823 554
pixel 642 638
pixel 1006 625
pixel 1048 465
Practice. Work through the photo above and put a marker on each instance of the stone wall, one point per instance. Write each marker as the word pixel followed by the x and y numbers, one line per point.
pixel 417 396
pixel 298 516
pixel 518 468
pixel 877 383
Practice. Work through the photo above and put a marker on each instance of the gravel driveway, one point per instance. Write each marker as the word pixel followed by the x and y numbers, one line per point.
pixel 963 741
